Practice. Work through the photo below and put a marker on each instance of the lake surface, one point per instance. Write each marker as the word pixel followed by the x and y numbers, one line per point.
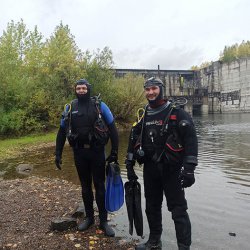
pixel 219 202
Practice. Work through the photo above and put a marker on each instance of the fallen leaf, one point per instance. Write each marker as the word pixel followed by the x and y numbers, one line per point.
pixel 72 238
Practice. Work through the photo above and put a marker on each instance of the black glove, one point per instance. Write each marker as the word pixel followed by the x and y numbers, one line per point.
pixel 187 176
pixel 113 157
pixel 58 161
pixel 130 170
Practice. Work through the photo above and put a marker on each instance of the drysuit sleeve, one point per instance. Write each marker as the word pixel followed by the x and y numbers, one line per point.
pixel 61 137
pixel 109 119
pixel 134 137
pixel 189 138
pixel 113 136
pixel 130 142
pixel 106 113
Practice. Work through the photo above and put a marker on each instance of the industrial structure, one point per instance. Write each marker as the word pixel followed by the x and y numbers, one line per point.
pixel 218 88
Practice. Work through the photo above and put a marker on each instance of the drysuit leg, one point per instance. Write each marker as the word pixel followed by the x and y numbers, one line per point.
pixel 182 227
pixel 83 167
pixel 98 169
pixel 177 205
pixel 153 196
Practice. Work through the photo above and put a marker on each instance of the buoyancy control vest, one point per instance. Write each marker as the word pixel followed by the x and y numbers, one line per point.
pixel 85 124
pixel 153 139
pixel 156 137
pixel 82 119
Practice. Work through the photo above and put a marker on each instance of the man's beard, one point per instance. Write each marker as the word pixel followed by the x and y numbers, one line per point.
pixel 83 97
pixel 158 99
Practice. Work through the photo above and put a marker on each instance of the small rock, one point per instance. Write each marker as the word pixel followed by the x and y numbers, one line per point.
pixel 121 242
pixel 232 234
pixel 24 169
pixel 63 224
pixel 79 211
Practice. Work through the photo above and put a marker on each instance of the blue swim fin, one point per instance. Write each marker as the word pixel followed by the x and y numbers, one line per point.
pixel 114 195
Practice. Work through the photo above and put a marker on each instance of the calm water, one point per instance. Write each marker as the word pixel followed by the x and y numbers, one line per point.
pixel 219 202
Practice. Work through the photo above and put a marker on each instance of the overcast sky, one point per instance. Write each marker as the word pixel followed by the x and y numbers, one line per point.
pixel 174 34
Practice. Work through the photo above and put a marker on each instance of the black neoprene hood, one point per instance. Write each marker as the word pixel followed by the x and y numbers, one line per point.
pixel 82 81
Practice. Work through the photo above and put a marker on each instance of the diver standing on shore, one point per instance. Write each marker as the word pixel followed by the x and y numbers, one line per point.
pixel 164 140
pixel 88 123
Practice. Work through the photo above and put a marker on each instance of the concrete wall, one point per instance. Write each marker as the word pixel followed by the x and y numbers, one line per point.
pixel 178 86
pixel 218 88
pixel 228 86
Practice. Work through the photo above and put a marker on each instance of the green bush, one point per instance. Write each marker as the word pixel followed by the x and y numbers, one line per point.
pixel 124 96
pixel 37 79
pixel 12 123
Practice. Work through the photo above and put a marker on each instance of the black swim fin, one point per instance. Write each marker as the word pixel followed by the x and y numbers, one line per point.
pixel 138 218
pixel 129 198
pixel 133 203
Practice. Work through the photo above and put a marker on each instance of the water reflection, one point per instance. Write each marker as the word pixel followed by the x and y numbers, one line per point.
pixel 218 202
pixel 224 143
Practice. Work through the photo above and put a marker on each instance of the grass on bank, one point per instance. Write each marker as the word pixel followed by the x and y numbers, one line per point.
pixel 10 148
pixel 13 147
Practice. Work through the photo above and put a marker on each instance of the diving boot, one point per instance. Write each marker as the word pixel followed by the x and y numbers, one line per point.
pixel 86 224
pixel 150 245
pixel 108 231
pixel 183 247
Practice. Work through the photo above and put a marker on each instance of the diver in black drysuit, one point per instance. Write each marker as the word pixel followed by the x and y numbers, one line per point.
pixel 168 166
pixel 88 152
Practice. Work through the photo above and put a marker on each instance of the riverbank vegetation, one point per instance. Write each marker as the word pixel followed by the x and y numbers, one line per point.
pixel 236 52
pixel 37 78
pixel 230 54
pixel 11 148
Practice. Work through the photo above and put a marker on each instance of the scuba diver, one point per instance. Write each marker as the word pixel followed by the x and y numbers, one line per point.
pixel 164 140
pixel 87 123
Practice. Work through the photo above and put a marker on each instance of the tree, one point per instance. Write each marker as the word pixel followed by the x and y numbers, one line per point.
pixel 34 53
pixel 229 53
pixel 62 65
pixel 98 67
pixel 244 49
pixel 12 46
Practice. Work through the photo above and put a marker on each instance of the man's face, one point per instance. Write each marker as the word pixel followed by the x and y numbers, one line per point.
pixel 152 92
pixel 81 89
